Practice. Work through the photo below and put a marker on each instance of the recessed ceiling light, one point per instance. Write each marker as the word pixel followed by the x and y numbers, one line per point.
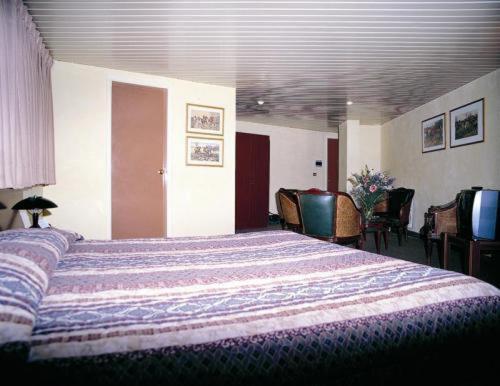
pixel 260 102
pixel 349 103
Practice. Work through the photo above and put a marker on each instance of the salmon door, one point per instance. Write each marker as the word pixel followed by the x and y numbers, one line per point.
pixel 138 127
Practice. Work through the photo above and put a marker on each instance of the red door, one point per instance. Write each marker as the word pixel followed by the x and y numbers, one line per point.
pixel 138 153
pixel 252 181
pixel 333 165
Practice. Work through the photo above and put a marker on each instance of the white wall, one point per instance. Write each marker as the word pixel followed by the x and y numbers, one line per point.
pixel 294 153
pixel 438 176
pixel 359 145
pixel 200 200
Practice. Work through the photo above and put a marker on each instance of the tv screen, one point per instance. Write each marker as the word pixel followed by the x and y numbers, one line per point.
pixel 485 215
pixel 478 214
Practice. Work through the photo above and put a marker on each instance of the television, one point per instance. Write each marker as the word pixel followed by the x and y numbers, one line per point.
pixel 478 214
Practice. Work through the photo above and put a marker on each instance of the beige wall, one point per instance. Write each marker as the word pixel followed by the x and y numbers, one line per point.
pixel 200 200
pixel 295 122
pixel 438 176
pixel 294 153
pixel 359 145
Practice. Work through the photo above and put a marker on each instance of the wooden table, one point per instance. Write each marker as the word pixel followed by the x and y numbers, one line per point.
pixel 377 227
pixel 473 251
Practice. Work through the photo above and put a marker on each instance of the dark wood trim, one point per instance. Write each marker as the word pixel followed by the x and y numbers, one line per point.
pixel 413 234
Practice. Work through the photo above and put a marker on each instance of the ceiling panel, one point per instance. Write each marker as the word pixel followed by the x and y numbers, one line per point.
pixel 304 59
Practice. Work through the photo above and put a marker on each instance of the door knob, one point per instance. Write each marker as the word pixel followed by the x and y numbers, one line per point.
pixel 161 171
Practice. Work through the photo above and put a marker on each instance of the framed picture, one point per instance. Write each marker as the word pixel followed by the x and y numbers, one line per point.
pixel 433 134
pixel 204 119
pixel 204 151
pixel 467 124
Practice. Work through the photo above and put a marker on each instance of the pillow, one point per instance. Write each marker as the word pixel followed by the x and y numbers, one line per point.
pixel 70 236
pixel 27 260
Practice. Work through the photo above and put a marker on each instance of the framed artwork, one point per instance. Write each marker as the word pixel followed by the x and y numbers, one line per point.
pixel 204 151
pixel 467 124
pixel 433 134
pixel 204 119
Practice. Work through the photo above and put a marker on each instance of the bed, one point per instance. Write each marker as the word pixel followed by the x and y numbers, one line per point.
pixel 260 308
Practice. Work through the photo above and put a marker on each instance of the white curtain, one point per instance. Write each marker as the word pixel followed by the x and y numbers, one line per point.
pixel 26 121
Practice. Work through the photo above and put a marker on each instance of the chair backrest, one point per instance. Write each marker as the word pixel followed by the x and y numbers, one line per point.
pixel 442 218
pixel 399 199
pixel 289 207
pixel 317 213
pixel 347 216
pixel 314 191
pixel 278 206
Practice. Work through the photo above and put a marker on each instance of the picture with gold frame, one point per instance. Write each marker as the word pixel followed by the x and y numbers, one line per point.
pixel 204 151
pixel 467 124
pixel 207 120
pixel 433 133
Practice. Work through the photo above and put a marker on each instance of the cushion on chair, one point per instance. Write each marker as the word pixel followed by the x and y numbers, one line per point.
pixel 392 221
pixel 27 260
pixel 317 211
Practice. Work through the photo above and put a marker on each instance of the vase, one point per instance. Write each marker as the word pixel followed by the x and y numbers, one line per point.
pixel 368 214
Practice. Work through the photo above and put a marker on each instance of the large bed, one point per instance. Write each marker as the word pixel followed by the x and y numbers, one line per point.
pixel 255 308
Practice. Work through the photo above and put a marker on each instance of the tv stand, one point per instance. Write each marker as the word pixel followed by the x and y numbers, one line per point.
pixel 473 250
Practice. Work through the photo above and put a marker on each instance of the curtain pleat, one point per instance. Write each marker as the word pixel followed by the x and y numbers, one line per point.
pixel 26 116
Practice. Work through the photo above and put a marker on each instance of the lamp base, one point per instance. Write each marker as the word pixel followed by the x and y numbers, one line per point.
pixel 35 220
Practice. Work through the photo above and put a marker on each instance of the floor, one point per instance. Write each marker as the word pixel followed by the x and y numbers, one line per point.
pixel 413 250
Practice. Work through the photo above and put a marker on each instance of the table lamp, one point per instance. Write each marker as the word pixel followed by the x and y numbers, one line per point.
pixel 2 206
pixel 34 205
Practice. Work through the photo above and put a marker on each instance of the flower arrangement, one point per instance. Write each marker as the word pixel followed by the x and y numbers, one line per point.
pixel 368 188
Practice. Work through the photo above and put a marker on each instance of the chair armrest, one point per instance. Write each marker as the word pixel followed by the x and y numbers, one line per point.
pixel 445 221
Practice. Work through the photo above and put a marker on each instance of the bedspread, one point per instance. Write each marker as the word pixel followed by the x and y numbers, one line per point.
pixel 249 305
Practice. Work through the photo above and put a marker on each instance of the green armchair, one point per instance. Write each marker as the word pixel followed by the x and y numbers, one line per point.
pixel 331 217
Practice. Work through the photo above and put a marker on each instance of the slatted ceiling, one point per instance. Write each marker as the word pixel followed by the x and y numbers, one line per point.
pixel 305 59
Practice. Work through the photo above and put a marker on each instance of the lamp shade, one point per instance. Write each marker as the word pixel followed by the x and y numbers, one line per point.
pixel 2 206
pixel 34 202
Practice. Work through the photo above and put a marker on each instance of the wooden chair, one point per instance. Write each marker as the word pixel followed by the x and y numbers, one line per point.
pixel 382 207
pixel 288 208
pixel 438 219
pixel 397 215
pixel 347 219
pixel 330 216
pixel 280 210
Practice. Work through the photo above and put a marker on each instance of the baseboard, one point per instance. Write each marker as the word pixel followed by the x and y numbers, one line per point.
pixel 413 234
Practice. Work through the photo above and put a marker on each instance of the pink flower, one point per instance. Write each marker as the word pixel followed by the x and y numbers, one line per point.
pixel 373 188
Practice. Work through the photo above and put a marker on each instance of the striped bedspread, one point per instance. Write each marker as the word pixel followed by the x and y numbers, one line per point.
pixel 247 303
